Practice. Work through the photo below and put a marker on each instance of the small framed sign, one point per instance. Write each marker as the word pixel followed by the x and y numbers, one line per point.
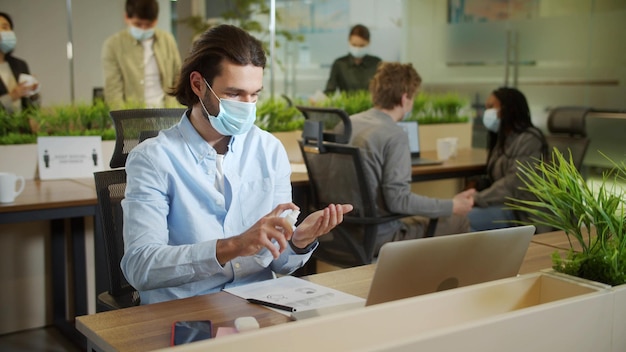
pixel 69 157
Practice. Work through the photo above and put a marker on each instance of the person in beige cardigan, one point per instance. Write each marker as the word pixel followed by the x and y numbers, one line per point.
pixel 514 140
pixel 140 63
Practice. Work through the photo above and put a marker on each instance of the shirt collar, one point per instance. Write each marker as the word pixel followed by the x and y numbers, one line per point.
pixel 197 145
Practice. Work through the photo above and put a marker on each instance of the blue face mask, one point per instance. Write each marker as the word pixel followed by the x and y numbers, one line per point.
pixel 491 120
pixel 141 34
pixel 235 117
pixel 7 41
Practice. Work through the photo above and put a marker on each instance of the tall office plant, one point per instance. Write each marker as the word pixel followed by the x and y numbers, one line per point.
pixel 593 218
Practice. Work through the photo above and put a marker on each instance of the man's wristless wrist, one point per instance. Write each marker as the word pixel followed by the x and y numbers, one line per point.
pixel 304 250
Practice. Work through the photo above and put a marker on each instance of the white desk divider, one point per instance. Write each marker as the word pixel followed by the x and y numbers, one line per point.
pixel 533 312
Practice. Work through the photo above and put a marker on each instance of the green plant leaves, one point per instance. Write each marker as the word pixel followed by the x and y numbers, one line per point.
pixel 566 202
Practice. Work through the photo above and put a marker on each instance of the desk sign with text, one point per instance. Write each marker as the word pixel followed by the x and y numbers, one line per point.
pixel 69 157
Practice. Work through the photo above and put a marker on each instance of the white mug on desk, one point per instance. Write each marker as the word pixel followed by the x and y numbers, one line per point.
pixel 8 181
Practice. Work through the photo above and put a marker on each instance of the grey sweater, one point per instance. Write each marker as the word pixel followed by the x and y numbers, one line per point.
pixel 385 150
pixel 502 168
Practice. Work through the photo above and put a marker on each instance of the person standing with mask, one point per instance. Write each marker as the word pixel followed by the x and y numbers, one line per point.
pixel 140 63
pixel 204 198
pixel 355 70
pixel 514 140
pixel 14 96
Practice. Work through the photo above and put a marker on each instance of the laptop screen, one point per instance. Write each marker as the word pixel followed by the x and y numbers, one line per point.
pixel 412 130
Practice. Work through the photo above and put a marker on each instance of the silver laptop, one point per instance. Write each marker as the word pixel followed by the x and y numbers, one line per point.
pixel 412 130
pixel 415 267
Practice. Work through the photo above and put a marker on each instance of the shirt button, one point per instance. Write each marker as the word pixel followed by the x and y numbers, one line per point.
pixel 237 265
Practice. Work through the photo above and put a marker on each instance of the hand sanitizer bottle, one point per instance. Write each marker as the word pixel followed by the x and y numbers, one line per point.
pixel 264 256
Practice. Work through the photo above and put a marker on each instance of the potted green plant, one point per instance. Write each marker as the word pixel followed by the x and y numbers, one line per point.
pixel 592 217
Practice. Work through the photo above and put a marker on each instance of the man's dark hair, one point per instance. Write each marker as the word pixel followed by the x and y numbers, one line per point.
pixel 6 15
pixel 223 42
pixel 143 9
pixel 360 31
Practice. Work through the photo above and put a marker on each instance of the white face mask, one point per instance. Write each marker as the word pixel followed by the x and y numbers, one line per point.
pixel 141 34
pixel 7 41
pixel 491 120
pixel 235 117
pixel 358 51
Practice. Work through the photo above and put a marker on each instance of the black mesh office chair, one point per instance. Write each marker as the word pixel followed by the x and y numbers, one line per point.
pixel 336 176
pixel 134 126
pixel 567 132
pixel 110 187
pixel 131 128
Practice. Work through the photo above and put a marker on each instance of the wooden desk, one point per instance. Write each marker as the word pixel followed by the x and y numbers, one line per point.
pixel 468 162
pixel 57 200
pixel 147 328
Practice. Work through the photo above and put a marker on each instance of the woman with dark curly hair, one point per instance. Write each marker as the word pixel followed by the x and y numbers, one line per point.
pixel 514 139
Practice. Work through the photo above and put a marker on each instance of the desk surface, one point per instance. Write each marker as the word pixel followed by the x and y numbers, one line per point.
pixel 148 327
pixel 470 161
pixel 52 194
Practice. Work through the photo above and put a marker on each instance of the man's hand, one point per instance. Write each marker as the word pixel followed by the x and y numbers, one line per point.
pixel 319 223
pixel 463 202
pixel 259 236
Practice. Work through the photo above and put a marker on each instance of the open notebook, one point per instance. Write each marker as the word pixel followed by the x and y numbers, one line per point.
pixel 412 130
pixel 415 267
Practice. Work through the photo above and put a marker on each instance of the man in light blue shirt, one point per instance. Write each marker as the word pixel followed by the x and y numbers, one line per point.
pixel 205 198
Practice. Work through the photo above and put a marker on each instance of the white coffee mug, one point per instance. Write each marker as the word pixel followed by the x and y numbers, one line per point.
pixel 444 149
pixel 8 183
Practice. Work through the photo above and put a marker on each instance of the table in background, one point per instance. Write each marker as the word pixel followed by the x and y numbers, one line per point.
pixel 148 327
pixel 468 162
pixel 58 201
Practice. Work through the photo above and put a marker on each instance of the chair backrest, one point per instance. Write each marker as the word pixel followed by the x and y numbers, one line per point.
pixel 336 122
pixel 135 125
pixel 336 176
pixel 567 132
pixel 568 120
pixel 110 188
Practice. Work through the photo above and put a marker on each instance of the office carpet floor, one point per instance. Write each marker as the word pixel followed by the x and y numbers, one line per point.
pixel 46 339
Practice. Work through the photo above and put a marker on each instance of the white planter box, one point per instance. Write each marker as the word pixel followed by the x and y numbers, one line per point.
pixel 534 312
pixel 428 134
pixel 290 142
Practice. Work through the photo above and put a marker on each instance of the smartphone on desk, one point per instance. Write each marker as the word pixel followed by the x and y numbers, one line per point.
pixel 190 331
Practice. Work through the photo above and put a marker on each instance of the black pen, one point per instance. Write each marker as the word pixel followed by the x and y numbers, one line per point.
pixel 271 304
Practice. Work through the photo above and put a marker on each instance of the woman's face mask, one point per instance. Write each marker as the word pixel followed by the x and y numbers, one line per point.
pixel 7 41
pixel 235 117
pixel 491 120
pixel 358 51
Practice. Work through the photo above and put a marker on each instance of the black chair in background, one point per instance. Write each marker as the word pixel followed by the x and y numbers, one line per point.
pixel 135 125
pixel 110 188
pixel 567 133
pixel 336 176
pixel 131 128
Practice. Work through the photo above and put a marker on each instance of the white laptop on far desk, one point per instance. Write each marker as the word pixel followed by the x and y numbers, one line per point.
pixel 412 130
pixel 415 267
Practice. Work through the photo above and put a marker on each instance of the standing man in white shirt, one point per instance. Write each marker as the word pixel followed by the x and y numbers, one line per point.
pixel 141 62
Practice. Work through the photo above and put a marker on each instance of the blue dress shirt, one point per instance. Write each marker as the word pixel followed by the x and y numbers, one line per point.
pixel 174 214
